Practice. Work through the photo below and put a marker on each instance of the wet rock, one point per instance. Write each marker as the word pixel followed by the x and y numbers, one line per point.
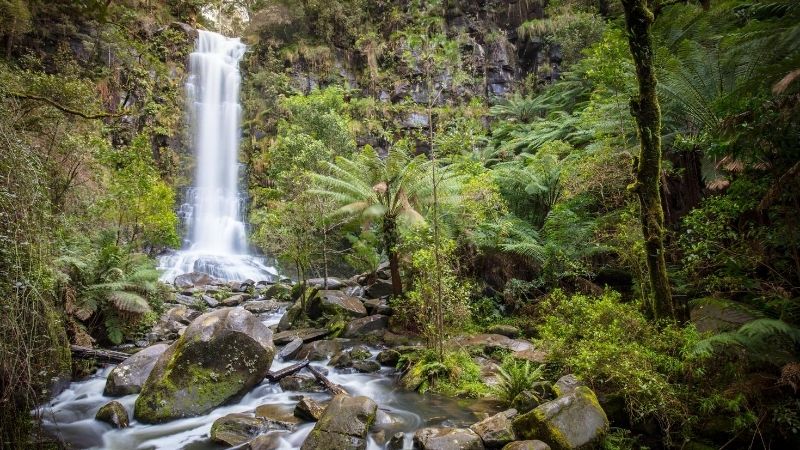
pixel 319 350
pixel 278 291
pixel 366 366
pixel 181 314
pixel 290 350
pixel 192 279
pixel 366 325
pixel 114 414
pixel 378 306
pixel 335 303
pixel 505 330
pixel 447 439
pixel 380 288
pixel 261 306
pixel 235 429
pixel 211 302
pixel 300 383
pixel 222 354
pixel 333 283
pixel 129 375
pixel 235 300
pixel 343 425
pixel 527 445
pixel 571 421
pixel 341 360
pixel 308 409
pixel 271 441
pixel 290 317
pixel 496 431
pixel 388 357
pixel 396 442
pixel 305 334
pixel 278 412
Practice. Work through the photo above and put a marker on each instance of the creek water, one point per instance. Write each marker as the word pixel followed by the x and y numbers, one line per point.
pixel 214 209
pixel 70 415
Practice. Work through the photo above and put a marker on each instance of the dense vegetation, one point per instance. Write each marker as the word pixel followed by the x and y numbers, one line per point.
pixel 488 152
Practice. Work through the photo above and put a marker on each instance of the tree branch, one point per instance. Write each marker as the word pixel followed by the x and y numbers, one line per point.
pixel 62 108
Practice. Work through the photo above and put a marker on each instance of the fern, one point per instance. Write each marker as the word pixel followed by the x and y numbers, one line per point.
pixel 515 377
pixel 129 302
pixel 762 340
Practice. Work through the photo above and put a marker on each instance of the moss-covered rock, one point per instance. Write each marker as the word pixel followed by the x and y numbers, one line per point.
pixel 129 375
pixel 343 425
pixel 114 414
pixel 527 445
pixel 496 431
pixel 572 421
pixel 447 438
pixel 238 428
pixel 221 355
pixel 335 303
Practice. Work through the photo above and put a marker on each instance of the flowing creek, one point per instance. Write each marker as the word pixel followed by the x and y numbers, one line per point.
pixel 70 415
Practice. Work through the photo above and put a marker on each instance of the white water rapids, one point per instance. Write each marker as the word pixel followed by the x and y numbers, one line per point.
pixel 214 211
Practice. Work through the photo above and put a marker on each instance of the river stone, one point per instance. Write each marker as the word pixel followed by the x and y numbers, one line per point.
pixel 396 442
pixel 306 334
pixel 569 422
pixel 114 414
pixel 222 354
pixel 235 429
pixel 529 399
pixel 333 283
pixel 380 288
pixel 270 441
pixel 368 366
pixel 290 349
pixel 260 306
pixel 496 431
pixel 447 439
pixel 182 314
pixel 278 291
pixel 335 303
pixel 378 306
pixel 366 325
pixel 186 300
pixel 319 350
pixel 388 357
pixel 210 301
pixel 308 409
pixel 129 375
pixel 278 412
pixel 300 383
pixel 235 300
pixel 343 425
pixel 527 445
pixel 192 279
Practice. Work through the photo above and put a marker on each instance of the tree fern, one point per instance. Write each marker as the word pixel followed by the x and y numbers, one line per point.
pixel 128 302
pixel 762 340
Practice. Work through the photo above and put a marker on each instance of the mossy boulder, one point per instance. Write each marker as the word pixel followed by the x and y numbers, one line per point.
pixel 278 291
pixel 220 356
pixel 238 428
pixel 335 304
pixel 114 414
pixel 366 325
pixel 447 438
pixel 496 431
pixel 343 425
pixel 308 409
pixel 571 421
pixel 129 375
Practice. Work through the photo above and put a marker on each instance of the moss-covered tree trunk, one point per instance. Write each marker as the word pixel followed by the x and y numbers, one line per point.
pixel 390 243
pixel 645 109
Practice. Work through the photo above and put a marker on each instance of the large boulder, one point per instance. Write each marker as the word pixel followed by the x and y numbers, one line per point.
pixel 114 414
pixel 496 431
pixel 222 354
pixel 238 428
pixel 261 306
pixel 335 303
pixel 192 279
pixel 447 438
pixel 366 325
pixel 332 283
pixel 278 291
pixel 129 375
pixel 343 425
pixel 308 409
pixel 571 421
pixel 300 383
pixel 290 349
pixel 380 288
pixel 305 334
pixel 319 350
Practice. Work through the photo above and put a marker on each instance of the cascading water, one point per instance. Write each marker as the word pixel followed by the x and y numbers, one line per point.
pixel 214 209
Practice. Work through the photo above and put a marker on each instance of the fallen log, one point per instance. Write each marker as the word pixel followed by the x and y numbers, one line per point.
pixel 99 354
pixel 334 388
pixel 285 372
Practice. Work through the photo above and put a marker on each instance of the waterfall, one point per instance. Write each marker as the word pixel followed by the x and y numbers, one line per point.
pixel 214 212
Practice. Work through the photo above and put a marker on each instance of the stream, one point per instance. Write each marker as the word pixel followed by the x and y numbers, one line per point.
pixel 70 415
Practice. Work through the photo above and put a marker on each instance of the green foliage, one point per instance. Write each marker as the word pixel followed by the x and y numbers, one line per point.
pixel 515 376
pixel 762 340
pixel 364 255
pixel 455 375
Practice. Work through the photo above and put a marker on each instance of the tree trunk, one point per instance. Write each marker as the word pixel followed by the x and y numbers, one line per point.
pixel 390 241
pixel 645 109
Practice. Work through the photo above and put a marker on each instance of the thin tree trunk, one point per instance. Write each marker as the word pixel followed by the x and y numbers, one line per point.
pixel 645 109
pixel 390 241
pixel 436 253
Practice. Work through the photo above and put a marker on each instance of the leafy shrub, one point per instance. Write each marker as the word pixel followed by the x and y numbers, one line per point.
pixel 456 374
pixel 516 376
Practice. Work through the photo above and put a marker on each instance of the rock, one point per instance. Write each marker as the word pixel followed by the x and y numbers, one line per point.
pixel 181 314
pixel 505 330
pixel 396 442
pixel 235 429
pixel 566 385
pixel 235 300
pixel 278 291
pixel 290 317
pixel 496 431
pixel 569 422
pixel 318 350
pixel 278 412
pixel 540 392
pixel 333 283
pixel 305 334
pixel 341 360
pixel 114 414
pixel 380 288
pixel 290 350
pixel 271 441
pixel 343 425
pixel 527 445
pixel 261 306
pixel 222 354
pixel 335 303
pixel 493 341
pixel 366 325
pixel 378 306
pixel 388 357
pixel 308 409
pixel 366 366
pixel 447 439
pixel 360 352
pixel 129 375
pixel 187 301
pixel 192 279
pixel 210 301
pixel 300 383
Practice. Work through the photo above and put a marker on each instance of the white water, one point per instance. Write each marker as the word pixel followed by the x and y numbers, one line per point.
pixel 215 208
pixel 70 415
